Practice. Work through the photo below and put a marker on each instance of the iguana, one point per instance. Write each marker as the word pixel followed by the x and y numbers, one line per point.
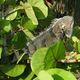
pixel 57 30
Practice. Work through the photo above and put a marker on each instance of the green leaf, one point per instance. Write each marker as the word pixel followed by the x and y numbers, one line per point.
pixel 44 75
pixel 37 63
pixel 58 50
pixel 60 74
pixel 76 31
pixel 28 34
pixel 11 16
pixel 13 70
pixel 49 60
pixel 77 56
pixel 1 41
pixel 2 1
pixel 41 10
pixel 79 46
pixel 45 58
pixel 36 78
pixel 0 52
pixel 40 60
pixel 29 77
pixel 75 39
pixel 30 13
pixel 20 79
pixel 27 24
pixel 5 24
pixel 19 40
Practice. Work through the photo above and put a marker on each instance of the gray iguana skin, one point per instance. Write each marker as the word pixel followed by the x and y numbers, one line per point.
pixel 57 30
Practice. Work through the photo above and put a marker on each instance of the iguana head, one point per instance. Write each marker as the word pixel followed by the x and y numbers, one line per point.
pixel 67 25
pixel 63 26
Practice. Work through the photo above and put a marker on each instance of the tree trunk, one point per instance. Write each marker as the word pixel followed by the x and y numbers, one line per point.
pixel 77 12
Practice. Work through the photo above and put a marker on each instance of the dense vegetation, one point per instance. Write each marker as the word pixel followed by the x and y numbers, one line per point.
pixel 20 22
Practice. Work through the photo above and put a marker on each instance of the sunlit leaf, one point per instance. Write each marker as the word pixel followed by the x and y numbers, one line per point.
pixel 77 56
pixel 60 74
pixel 28 34
pixel 45 58
pixel 44 75
pixel 13 70
pixel 41 10
pixel 11 16
pixel 30 13
pixel 75 39
pixel 5 24
pixel 40 60
pixel 37 63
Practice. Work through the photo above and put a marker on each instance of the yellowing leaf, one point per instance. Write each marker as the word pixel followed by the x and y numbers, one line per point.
pixel 30 13
pixel 28 34
pixel 44 75
pixel 11 16
pixel 75 39
pixel 77 56
pixel 41 10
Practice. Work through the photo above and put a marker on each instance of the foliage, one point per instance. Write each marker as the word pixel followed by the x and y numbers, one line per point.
pixel 60 73
pixel 46 58
pixel 13 70
pixel 55 74
pixel 20 21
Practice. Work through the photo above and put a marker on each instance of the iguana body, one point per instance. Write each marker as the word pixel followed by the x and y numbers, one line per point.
pixel 57 30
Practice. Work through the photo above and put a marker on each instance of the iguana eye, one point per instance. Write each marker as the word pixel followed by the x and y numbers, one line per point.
pixel 63 26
